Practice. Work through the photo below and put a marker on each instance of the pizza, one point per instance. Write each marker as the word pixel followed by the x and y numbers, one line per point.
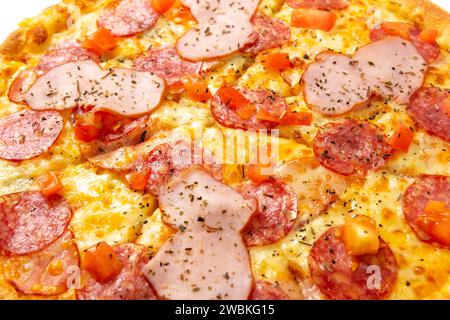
pixel 233 149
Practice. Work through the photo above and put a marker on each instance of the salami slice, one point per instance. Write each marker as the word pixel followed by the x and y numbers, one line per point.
pixel 276 214
pixel 167 160
pixel 28 134
pixel 167 64
pixel 263 99
pixel 341 276
pixel 130 284
pixel 351 147
pixel 426 107
pixel 417 196
pixel 319 4
pixel 128 17
pixel 30 222
pixel 265 290
pixel 429 51
pixel 270 33
pixel 46 272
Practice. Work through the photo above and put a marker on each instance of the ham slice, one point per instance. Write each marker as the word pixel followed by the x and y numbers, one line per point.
pixel 335 84
pixel 84 83
pixel 207 258
pixel 223 27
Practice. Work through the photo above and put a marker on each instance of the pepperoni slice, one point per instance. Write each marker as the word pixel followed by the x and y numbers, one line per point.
pixel 130 283
pixel 167 64
pixel 351 147
pixel 167 160
pixel 425 107
pixel 30 222
pixel 67 51
pixel 417 196
pixel 319 4
pixel 270 33
pixel 276 214
pixel 46 272
pixel 341 276
pixel 265 290
pixel 263 99
pixel 429 51
pixel 128 17
pixel 28 134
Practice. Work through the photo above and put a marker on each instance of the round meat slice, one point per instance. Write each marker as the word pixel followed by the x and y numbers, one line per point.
pixel 270 33
pixel 167 64
pixel 341 276
pixel 66 51
pixel 265 290
pixel 276 214
pixel 167 160
pixel 128 17
pixel 351 147
pixel 429 51
pixel 427 108
pixel 129 284
pixel 262 99
pixel 28 134
pixel 319 4
pixel 415 199
pixel 46 272
pixel 30 222
pixel 395 78
pixel 332 85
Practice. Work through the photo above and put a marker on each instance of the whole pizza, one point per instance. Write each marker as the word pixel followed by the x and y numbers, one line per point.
pixel 226 149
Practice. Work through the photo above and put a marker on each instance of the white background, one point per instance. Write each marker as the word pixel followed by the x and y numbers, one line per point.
pixel 16 10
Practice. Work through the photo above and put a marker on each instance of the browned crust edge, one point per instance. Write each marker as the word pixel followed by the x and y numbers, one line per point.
pixel 431 15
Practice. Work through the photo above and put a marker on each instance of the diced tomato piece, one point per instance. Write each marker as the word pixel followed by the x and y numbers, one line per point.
pixel 232 97
pixel 360 236
pixel 402 137
pixel 162 6
pixel 179 13
pixel 436 221
pixel 297 118
pixel 138 180
pixel 101 41
pixel 246 111
pixel 313 19
pixel 86 133
pixel 428 35
pixel 259 173
pixel 435 206
pixel 197 89
pixel 110 122
pixel 49 184
pixel 446 106
pixel 277 61
pixel 266 116
pixel 401 29
pixel 103 264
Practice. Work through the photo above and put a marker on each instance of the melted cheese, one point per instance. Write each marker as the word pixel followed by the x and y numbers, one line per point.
pixel 106 209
